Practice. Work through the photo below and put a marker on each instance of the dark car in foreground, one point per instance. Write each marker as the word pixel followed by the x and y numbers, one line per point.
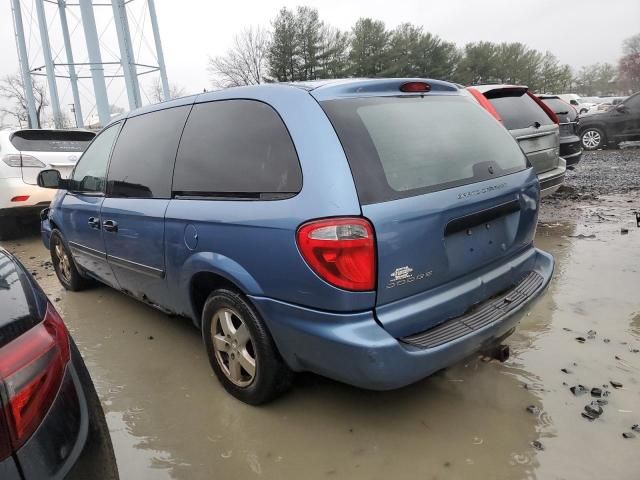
pixel 51 421
pixel 372 231
pixel 570 145
pixel 608 129
pixel 534 126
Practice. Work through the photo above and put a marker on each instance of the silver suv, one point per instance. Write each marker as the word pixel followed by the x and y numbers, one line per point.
pixel 535 127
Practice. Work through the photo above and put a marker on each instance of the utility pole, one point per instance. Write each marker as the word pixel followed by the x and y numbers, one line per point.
pixel 48 63
pixel 126 53
pixel 73 77
pixel 159 54
pixel 24 64
pixel 95 58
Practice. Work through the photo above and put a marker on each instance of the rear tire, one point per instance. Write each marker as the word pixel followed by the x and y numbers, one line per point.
pixel 241 350
pixel 8 228
pixel 593 138
pixel 64 265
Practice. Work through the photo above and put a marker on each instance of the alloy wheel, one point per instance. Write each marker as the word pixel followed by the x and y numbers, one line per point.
pixel 233 346
pixel 591 139
pixel 63 260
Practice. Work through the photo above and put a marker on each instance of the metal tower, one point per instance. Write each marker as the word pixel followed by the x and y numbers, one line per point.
pixel 73 71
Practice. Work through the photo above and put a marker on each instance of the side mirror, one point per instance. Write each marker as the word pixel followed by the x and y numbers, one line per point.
pixel 50 179
pixel 621 107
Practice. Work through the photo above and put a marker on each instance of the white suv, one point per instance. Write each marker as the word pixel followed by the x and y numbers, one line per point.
pixel 577 102
pixel 23 153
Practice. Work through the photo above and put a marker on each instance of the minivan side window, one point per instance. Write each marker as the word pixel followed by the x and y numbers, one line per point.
pixel 236 148
pixel 144 155
pixel 91 170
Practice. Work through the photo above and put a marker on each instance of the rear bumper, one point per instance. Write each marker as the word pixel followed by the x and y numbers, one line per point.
pixel 571 150
pixel 353 348
pixel 552 180
pixel 14 187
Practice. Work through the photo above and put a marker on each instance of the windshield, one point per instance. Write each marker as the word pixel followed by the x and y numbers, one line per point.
pixel 404 146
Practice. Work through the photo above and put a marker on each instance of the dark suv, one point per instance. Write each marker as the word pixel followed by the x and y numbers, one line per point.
pixel 619 124
pixel 373 231
pixel 570 148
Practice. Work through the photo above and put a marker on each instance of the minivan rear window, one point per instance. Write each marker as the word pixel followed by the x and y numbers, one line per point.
pixel 403 146
pixel 517 109
pixel 51 140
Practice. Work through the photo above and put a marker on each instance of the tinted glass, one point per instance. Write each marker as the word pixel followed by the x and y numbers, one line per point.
pixel 398 147
pixel 91 170
pixel 144 155
pixel 633 103
pixel 19 308
pixel 238 147
pixel 517 109
pixel 562 109
pixel 51 141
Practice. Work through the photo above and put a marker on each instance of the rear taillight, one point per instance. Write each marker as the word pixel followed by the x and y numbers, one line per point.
pixel 341 251
pixel 31 371
pixel 550 113
pixel 415 87
pixel 18 160
pixel 20 198
pixel 485 103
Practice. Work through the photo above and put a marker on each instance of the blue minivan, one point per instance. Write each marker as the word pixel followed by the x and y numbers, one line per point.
pixel 373 231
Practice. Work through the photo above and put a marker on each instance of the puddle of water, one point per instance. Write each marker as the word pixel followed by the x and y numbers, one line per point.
pixel 169 418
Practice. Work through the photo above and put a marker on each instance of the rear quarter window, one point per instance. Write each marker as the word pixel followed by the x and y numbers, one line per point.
pixel 51 140
pixel 236 148
pixel 517 109
pixel 404 146
pixel 562 109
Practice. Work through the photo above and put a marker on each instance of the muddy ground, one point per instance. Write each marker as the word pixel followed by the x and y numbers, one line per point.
pixel 169 418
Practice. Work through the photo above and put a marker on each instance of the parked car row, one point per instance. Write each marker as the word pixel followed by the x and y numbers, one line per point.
pixel 535 127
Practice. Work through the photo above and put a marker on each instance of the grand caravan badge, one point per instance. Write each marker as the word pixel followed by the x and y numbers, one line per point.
pixel 403 275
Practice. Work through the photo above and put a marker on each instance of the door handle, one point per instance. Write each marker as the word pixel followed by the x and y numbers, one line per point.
pixel 110 226
pixel 94 223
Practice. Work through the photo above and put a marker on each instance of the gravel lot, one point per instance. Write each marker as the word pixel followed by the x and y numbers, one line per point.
pixel 602 172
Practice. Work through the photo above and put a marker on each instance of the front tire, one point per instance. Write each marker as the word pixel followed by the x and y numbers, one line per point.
pixel 64 265
pixel 241 350
pixel 592 139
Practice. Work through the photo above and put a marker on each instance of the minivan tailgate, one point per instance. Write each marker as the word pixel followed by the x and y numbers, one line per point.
pixel 540 146
pixel 435 242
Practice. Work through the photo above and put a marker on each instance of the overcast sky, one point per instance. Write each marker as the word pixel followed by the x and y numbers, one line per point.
pixel 578 32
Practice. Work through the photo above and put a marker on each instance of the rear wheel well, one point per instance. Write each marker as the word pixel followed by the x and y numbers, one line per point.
pixel 202 284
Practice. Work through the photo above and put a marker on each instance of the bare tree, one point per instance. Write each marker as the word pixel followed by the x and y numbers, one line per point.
pixel 155 91
pixel 12 90
pixel 245 63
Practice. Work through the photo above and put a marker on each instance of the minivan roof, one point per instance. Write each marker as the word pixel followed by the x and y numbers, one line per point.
pixel 322 90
